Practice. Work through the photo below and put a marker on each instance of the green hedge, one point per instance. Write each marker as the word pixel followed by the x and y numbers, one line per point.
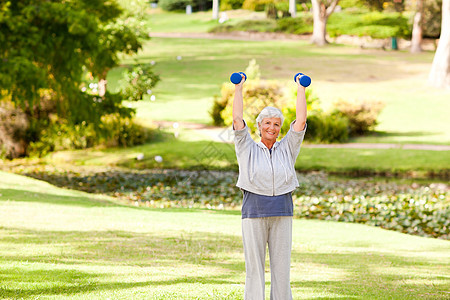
pixel 373 24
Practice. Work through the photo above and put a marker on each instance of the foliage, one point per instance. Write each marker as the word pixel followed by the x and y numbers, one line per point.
pixel 327 128
pixel 374 24
pixel 115 130
pixel 231 4
pixel 174 5
pixel 47 47
pixel 432 18
pixel 139 80
pixel 419 209
pixel 180 5
pixel 252 71
pixel 298 25
pixel 362 115
pixel 256 5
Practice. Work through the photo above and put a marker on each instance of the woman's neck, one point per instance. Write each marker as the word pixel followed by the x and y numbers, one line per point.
pixel 268 143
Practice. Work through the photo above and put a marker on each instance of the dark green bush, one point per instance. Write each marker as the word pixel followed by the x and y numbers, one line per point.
pixel 373 24
pixel 177 5
pixel 299 25
pixel 362 115
pixel 231 4
pixel 174 5
pixel 326 128
pixel 139 80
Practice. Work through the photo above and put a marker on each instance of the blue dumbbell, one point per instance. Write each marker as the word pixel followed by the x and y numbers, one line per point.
pixel 237 77
pixel 304 80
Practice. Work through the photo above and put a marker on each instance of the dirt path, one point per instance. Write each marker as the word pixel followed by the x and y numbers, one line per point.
pixel 224 135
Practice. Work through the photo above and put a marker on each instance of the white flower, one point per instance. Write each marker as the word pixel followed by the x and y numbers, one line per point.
pixel 158 158
pixel 153 98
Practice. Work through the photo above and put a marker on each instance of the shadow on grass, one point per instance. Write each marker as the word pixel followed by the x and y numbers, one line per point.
pixel 363 275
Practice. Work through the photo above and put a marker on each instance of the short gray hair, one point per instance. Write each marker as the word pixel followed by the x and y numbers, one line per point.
pixel 270 112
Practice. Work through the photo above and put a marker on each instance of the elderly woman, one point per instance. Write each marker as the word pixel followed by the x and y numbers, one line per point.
pixel 267 178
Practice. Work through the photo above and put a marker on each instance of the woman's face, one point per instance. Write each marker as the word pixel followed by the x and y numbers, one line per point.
pixel 270 128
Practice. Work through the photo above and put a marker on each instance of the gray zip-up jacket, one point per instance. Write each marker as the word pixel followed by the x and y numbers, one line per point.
pixel 263 173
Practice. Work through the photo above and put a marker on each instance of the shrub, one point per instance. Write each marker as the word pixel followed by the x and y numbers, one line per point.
pixel 231 4
pixel 373 24
pixel 116 131
pixel 139 81
pixel 267 25
pixel 174 5
pixel 299 25
pixel 256 5
pixel 362 115
pixel 326 128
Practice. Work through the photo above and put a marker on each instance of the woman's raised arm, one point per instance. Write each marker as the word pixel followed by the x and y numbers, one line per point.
pixel 238 106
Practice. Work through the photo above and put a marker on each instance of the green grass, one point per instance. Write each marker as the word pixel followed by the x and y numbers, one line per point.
pixel 63 244
pixel 414 111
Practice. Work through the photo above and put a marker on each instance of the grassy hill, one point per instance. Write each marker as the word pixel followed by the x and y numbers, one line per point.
pixel 67 244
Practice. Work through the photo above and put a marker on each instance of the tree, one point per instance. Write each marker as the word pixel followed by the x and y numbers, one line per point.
pixel 417 32
pixel 215 9
pixel 322 9
pixel 292 8
pixel 46 50
pixel 440 69
pixel 49 45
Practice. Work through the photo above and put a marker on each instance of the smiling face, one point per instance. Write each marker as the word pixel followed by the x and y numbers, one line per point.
pixel 270 128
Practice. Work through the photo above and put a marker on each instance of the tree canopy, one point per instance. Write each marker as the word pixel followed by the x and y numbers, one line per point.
pixel 49 45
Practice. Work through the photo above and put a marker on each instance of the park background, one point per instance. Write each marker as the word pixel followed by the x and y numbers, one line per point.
pixel 118 170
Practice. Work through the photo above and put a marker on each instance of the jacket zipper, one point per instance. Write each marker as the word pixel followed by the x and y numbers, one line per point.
pixel 273 175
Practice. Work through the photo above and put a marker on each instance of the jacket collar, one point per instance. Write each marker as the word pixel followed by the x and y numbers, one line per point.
pixel 261 144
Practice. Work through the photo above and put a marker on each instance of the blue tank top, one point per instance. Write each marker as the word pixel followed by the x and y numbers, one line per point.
pixel 260 206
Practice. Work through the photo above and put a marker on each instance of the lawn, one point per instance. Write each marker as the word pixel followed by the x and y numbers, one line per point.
pixel 414 112
pixel 64 244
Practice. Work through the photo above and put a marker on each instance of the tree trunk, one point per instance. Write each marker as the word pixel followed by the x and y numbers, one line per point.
pixel 215 9
pixel 416 40
pixel 440 70
pixel 321 12
pixel 320 24
pixel 292 8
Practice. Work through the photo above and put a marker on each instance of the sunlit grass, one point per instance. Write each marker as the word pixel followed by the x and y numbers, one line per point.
pixel 54 245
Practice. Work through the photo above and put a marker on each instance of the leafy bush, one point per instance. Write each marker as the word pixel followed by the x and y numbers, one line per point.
pixel 231 4
pixel 362 115
pixel 327 128
pixel 373 24
pixel 418 209
pixel 139 81
pixel 256 5
pixel 57 134
pixel 174 5
pixel 299 25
